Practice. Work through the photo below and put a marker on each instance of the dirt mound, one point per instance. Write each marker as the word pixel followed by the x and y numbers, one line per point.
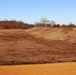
pixel 23 47
pixel 67 34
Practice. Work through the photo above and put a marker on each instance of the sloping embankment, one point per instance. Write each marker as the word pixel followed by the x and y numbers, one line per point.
pixel 67 34
pixel 19 47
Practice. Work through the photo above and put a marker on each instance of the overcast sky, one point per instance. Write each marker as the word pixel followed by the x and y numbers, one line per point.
pixel 61 11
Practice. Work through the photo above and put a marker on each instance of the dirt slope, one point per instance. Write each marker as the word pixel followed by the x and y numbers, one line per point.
pixel 32 46
pixel 67 34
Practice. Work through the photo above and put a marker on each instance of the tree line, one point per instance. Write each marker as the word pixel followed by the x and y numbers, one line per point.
pixel 13 24
pixel 44 22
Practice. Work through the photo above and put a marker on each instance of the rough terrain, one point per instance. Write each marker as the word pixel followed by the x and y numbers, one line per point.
pixel 37 46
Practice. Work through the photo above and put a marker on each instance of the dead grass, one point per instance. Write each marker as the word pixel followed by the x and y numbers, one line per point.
pixel 43 69
pixel 54 33
pixel 23 47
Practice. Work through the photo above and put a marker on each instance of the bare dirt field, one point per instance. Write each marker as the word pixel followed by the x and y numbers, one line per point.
pixel 37 46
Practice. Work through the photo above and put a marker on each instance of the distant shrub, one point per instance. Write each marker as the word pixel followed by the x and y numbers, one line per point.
pixel 71 25
pixel 56 25
pixel 13 24
pixel 64 25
